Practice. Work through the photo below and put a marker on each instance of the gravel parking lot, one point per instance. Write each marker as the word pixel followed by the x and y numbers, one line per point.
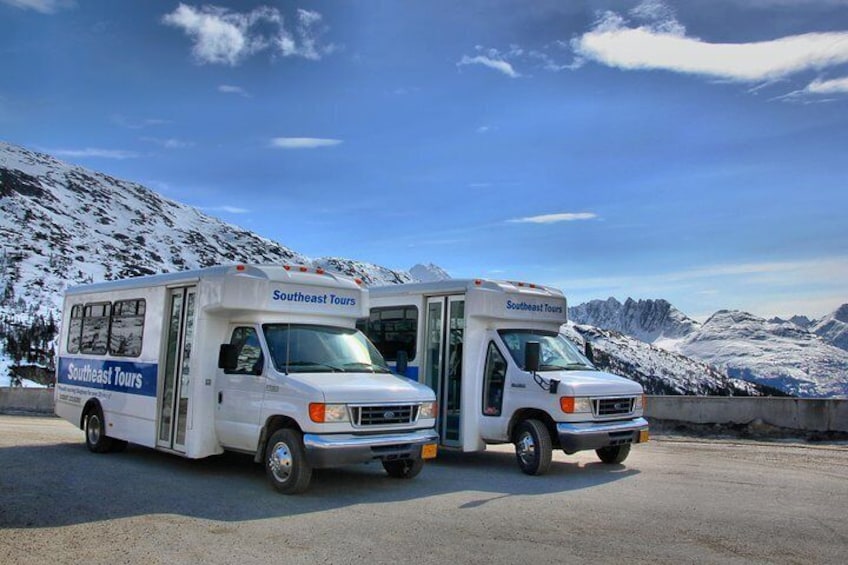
pixel 673 501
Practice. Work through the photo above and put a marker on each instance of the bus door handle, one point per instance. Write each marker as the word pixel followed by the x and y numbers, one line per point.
pixel 220 397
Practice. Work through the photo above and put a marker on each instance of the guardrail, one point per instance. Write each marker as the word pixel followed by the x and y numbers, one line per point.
pixel 29 400
pixel 805 414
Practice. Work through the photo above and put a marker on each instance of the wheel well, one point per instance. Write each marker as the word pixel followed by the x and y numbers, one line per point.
pixel 89 407
pixel 533 414
pixel 272 424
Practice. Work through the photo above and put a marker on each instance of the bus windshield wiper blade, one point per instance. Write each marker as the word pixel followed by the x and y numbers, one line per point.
pixel 314 364
pixel 374 368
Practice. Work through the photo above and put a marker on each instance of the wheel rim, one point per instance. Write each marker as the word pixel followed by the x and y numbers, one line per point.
pixel 526 448
pixel 280 462
pixel 93 429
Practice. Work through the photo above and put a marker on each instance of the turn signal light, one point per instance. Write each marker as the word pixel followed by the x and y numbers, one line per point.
pixel 566 404
pixel 317 411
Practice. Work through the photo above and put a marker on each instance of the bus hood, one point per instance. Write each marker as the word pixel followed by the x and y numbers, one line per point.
pixel 380 388
pixel 592 383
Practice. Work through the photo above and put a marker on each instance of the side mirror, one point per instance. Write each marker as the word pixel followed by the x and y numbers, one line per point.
pixel 228 357
pixel 532 354
pixel 402 362
pixel 588 352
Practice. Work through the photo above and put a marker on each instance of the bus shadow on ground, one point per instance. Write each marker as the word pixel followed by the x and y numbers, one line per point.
pixel 64 484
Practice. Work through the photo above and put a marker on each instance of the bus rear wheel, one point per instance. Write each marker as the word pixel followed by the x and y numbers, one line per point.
pixel 95 431
pixel 403 468
pixel 613 454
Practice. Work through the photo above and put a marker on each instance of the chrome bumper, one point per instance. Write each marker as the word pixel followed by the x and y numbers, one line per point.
pixel 331 450
pixel 574 437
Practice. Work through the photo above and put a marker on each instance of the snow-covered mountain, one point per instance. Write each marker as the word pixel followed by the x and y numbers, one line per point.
pixel 834 328
pixel 428 273
pixel 648 320
pixel 62 225
pixel 657 370
pixel 779 354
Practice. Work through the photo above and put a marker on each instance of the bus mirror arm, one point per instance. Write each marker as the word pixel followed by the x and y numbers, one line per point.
pixel 402 361
pixel 531 356
pixel 228 357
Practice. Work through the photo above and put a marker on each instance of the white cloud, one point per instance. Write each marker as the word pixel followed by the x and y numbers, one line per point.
pixel 226 209
pixel 496 64
pixel 170 143
pixel 94 152
pixel 124 122
pixel 231 89
pixel 42 6
pixel 303 142
pixel 662 43
pixel 833 86
pixel 554 218
pixel 221 36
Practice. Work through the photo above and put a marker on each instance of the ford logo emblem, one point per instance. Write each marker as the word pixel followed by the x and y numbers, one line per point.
pixel 621 406
pixel 388 415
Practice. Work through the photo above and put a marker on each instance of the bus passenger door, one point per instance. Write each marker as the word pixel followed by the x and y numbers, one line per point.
pixel 176 389
pixel 445 326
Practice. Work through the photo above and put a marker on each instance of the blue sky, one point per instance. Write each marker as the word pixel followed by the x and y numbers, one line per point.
pixel 695 151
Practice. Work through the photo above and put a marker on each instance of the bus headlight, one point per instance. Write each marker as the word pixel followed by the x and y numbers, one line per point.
pixel 427 410
pixel 575 404
pixel 321 413
pixel 639 403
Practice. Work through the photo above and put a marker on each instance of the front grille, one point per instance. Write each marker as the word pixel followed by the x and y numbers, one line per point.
pixel 384 415
pixel 613 406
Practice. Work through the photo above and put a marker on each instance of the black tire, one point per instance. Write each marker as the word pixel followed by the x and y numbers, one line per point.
pixel 403 468
pixel 533 448
pixel 285 462
pixel 613 454
pixel 95 431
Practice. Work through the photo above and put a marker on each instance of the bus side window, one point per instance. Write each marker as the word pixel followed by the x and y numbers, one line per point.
pixel 95 328
pixel 251 361
pixel 392 329
pixel 127 328
pixel 494 379
pixel 75 329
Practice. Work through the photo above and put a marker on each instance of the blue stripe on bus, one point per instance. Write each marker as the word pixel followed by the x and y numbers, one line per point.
pixel 107 374
pixel 411 372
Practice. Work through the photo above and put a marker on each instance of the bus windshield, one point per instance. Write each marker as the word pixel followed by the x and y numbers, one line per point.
pixel 302 348
pixel 556 352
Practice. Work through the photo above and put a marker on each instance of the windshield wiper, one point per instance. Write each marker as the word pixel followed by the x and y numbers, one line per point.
pixel 374 368
pixel 314 364
pixel 567 367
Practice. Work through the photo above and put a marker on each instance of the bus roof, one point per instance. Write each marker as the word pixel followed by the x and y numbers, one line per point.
pixel 278 273
pixel 456 286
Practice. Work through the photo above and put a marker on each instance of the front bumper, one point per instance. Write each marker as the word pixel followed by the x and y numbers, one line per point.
pixel 331 450
pixel 574 437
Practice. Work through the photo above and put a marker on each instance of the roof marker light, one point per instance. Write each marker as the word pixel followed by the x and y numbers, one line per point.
pixel 286 267
pixel 240 267
pixel 478 282
pixel 358 281
pixel 319 271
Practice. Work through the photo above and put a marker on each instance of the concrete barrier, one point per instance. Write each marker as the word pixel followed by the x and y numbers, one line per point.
pixel 28 400
pixel 805 414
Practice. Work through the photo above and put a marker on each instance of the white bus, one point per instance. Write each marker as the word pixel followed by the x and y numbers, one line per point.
pixel 502 372
pixel 258 359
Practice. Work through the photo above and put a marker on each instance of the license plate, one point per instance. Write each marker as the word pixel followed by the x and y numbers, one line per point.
pixel 429 451
pixel 643 436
